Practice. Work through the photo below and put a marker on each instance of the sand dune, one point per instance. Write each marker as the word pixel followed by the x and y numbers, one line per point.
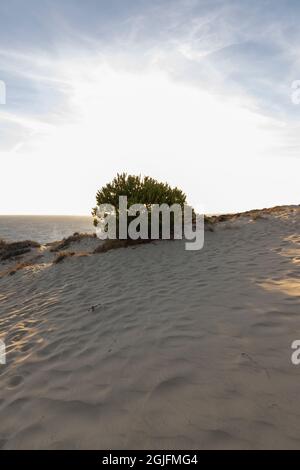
pixel 156 347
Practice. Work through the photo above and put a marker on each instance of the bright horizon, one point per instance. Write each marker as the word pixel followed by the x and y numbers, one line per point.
pixel 103 93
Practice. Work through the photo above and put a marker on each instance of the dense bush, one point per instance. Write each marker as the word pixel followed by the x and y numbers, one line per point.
pixel 139 190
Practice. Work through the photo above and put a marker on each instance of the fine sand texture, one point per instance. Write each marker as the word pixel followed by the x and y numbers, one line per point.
pixel 152 346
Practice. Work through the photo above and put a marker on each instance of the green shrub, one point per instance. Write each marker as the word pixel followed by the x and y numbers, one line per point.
pixel 139 190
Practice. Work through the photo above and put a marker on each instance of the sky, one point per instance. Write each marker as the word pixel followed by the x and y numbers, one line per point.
pixel 202 94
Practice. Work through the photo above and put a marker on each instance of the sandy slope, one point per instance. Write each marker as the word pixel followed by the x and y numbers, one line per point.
pixel 157 347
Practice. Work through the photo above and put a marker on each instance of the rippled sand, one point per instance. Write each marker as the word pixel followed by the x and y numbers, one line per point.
pixel 157 347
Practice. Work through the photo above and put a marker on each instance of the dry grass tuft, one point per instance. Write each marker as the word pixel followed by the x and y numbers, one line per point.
pixel 12 250
pixel 62 256
pixel 17 267
pixel 115 244
pixel 66 242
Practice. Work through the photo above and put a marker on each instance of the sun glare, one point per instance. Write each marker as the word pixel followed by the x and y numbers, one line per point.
pixel 113 120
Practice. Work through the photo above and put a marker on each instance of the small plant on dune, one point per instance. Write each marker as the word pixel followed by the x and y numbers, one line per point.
pixel 138 190
pixel 109 245
pixel 18 267
pixel 12 250
pixel 257 216
pixel 66 242
pixel 62 256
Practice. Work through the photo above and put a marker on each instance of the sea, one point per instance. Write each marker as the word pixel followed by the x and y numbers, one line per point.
pixel 43 228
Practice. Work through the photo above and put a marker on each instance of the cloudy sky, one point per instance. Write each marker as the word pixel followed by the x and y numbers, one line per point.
pixel 195 92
